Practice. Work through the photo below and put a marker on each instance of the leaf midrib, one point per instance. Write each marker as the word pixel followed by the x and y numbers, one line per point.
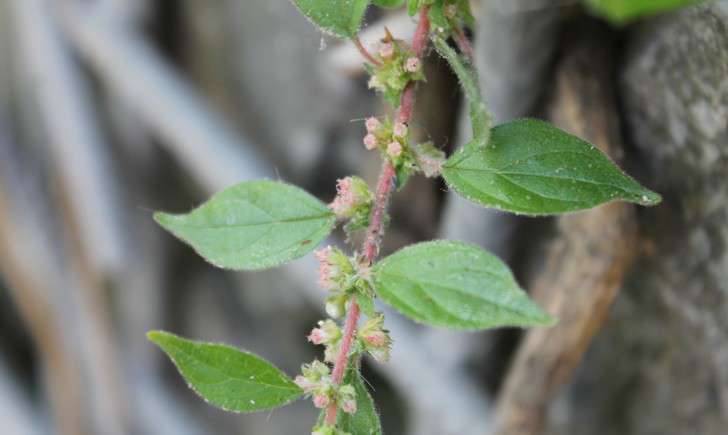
pixel 456 290
pixel 245 225
pixel 230 377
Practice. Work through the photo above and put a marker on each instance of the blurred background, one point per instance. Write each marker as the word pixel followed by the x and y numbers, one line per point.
pixel 110 109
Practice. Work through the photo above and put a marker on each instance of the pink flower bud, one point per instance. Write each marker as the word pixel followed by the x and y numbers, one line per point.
pixel 400 129
pixel 376 339
pixel 317 336
pixel 370 141
pixel 352 195
pixel 386 50
pixel 413 65
pixel 327 270
pixel 349 406
pixel 373 124
pixel 394 149
pixel 321 401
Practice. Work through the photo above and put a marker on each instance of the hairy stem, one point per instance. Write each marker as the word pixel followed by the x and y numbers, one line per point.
pixel 385 185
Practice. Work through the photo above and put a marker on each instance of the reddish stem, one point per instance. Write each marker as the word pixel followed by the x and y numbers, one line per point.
pixel 385 185
pixel 343 358
pixel 419 43
pixel 463 43
pixel 376 221
pixel 364 52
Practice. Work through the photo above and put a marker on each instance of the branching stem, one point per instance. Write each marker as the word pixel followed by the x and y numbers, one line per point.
pixel 385 185
pixel 364 52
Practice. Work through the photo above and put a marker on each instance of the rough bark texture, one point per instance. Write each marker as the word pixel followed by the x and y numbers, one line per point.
pixel 587 260
pixel 660 366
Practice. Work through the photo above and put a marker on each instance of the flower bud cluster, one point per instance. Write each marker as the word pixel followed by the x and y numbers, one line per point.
pixel 391 138
pixel 335 269
pixel 327 334
pixel 316 382
pixel 352 197
pixel 338 274
pixel 353 202
pixel 375 339
pixel 398 66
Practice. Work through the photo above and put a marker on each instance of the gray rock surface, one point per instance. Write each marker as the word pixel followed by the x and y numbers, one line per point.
pixel 660 366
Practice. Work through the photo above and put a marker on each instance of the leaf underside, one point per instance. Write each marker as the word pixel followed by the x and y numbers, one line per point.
pixel 454 284
pixel 253 225
pixel 226 377
pixel 531 167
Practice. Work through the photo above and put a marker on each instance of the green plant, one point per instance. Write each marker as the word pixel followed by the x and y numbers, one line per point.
pixel 526 167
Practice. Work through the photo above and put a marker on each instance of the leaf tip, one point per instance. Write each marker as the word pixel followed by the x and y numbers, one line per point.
pixel 156 336
pixel 548 320
pixel 163 219
pixel 650 198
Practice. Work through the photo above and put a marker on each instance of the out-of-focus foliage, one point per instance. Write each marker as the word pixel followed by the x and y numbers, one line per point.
pixel 622 11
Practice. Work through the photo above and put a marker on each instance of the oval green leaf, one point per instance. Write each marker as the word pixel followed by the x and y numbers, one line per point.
pixel 226 377
pixel 622 11
pixel 454 284
pixel 342 18
pixel 253 225
pixel 365 421
pixel 531 167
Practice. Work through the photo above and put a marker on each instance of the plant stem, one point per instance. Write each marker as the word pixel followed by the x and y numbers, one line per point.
pixel 463 43
pixel 375 230
pixel 364 52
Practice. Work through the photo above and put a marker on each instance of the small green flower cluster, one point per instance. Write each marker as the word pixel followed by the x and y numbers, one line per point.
pixel 393 140
pixel 348 279
pixel 353 202
pixel 316 382
pixel 398 66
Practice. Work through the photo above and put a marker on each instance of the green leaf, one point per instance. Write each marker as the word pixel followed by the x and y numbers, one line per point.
pixel 253 225
pixel 454 284
pixel 437 16
pixel 414 6
pixel 622 11
pixel 388 3
pixel 226 377
pixel 467 14
pixel 365 421
pixel 342 18
pixel 480 118
pixel 531 167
